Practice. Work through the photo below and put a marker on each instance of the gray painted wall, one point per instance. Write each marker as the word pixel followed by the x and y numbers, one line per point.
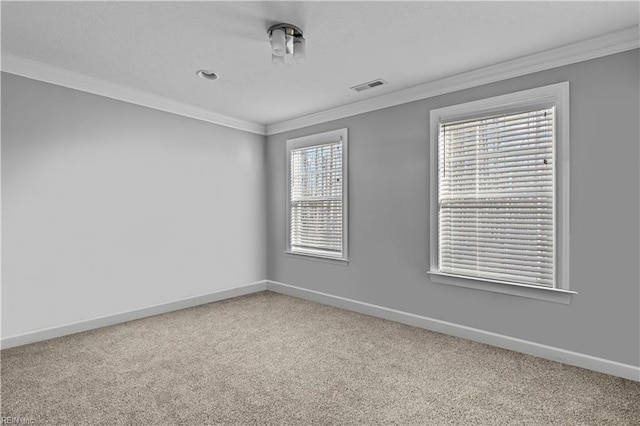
pixel 388 223
pixel 109 207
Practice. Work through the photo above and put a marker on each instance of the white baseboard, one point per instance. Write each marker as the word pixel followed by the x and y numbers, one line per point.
pixel 531 348
pixel 76 327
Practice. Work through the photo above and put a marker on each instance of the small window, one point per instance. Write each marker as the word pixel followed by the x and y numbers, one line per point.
pixel 317 195
pixel 500 194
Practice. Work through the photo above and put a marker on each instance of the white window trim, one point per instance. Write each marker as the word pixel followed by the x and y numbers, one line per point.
pixel 558 96
pixel 311 140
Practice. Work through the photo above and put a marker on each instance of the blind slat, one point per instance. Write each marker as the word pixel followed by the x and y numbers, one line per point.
pixel 515 140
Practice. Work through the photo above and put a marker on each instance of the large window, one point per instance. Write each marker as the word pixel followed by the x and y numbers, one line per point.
pixel 317 194
pixel 500 191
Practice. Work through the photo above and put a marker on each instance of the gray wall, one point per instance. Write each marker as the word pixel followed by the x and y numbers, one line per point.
pixel 388 223
pixel 109 207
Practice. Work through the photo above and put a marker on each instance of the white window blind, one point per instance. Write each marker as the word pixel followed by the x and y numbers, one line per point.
pixel 496 197
pixel 316 200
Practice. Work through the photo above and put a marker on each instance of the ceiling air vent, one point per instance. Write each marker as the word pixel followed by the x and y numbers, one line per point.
pixel 369 85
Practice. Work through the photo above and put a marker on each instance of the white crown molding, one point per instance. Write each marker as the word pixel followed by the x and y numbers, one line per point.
pixel 608 44
pixel 564 356
pixel 43 72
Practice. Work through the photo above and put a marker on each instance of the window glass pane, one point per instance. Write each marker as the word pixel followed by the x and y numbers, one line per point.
pixel 316 213
pixel 496 197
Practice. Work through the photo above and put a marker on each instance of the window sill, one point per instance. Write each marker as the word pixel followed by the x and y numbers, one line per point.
pixel 316 257
pixel 523 290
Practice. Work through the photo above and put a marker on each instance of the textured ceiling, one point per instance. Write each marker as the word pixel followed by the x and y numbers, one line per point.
pixel 158 46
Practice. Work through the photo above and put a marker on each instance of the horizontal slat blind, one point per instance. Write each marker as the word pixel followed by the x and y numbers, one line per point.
pixel 316 216
pixel 495 197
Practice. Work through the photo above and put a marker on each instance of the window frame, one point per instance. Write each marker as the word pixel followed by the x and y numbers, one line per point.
pixel 309 141
pixel 556 95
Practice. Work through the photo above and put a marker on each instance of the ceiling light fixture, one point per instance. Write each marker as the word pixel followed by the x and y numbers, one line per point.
pixel 287 43
pixel 207 75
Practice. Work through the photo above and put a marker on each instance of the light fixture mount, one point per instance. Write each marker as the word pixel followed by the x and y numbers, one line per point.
pixel 287 42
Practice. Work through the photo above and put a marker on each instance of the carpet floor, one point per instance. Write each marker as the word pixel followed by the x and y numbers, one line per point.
pixel 273 359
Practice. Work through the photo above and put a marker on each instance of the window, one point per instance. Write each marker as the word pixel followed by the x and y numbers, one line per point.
pixel 317 195
pixel 500 193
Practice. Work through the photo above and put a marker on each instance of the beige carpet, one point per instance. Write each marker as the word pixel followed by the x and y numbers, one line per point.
pixel 273 359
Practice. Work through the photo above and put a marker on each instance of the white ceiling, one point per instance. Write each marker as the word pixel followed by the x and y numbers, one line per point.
pixel 157 47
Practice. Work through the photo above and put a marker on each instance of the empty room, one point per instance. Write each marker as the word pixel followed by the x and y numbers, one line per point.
pixel 320 213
